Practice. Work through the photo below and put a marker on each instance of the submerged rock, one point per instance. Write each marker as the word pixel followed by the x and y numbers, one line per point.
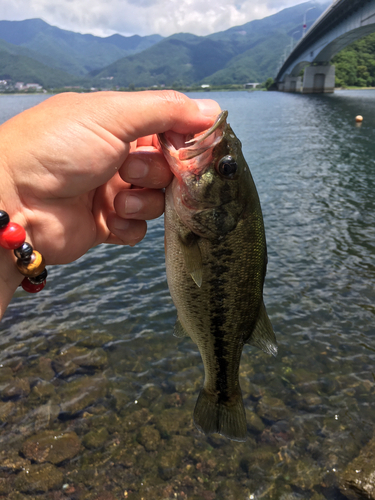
pixel 174 421
pixel 81 393
pixel 39 479
pixel 42 392
pixel 4 486
pixel 92 358
pixel 42 370
pixel 95 438
pixel 6 374
pixel 358 479
pixel 43 416
pixel 149 437
pixel 272 409
pixel 133 420
pixel 15 388
pixel 187 380
pixel 50 446
pixel 5 410
pixel 254 422
pixel 10 460
pixel 97 339
pixel 230 490
pixel 75 358
pixel 150 394
pixel 304 474
pixel 168 463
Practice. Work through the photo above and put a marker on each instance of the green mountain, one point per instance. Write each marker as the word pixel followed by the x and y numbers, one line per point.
pixel 21 65
pixel 179 59
pixel 68 51
pixel 32 51
pixel 261 44
pixel 251 52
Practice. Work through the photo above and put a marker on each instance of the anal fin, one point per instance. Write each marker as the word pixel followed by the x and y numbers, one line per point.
pixel 263 335
pixel 179 331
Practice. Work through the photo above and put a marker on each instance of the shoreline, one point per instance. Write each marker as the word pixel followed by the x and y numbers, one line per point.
pixel 84 91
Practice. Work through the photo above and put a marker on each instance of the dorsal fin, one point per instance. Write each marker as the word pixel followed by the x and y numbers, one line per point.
pixel 263 335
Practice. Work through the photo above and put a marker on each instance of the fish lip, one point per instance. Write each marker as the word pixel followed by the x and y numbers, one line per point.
pixel 219 124
pixel 197 143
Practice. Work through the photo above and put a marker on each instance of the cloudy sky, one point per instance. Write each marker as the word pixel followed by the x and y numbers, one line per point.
pixel 143 17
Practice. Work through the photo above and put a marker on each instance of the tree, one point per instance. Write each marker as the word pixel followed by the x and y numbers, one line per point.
pixel 355 65
pixel 268 83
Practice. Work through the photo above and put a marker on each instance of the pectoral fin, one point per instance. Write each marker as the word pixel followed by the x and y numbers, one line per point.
pixel 192 257
pixel 263 335
pixel 179 331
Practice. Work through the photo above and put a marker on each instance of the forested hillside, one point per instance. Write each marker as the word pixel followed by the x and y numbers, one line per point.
pixel 251 52
pixel 68 51
pixel 19 64
pixel 32 51
pixel 355 65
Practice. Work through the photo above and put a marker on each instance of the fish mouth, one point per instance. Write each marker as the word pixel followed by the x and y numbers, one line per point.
pixel 185 147
pixel 189 157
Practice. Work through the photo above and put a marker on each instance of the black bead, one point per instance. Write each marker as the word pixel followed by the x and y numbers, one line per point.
pixel 24 252
pixel 4 219
pixel 39 279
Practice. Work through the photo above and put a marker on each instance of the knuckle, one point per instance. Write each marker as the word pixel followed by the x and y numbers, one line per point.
pixel 174 98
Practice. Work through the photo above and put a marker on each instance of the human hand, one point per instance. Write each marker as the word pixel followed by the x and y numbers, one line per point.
pixel 68 163
pixel 71 160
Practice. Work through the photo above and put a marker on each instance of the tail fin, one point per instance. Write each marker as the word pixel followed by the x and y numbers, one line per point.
pixel 228 420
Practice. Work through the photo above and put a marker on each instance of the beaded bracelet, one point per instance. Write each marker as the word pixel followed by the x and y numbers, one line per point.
pixel 30 263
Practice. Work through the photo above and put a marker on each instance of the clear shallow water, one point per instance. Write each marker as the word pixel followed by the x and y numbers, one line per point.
pixel 95 349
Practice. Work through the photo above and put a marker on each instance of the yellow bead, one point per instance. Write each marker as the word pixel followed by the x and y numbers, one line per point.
pixel 32 268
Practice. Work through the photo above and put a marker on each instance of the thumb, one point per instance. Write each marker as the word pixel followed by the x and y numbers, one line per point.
pixel 132 115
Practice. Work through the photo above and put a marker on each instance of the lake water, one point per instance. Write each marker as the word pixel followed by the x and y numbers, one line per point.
pixel 89 367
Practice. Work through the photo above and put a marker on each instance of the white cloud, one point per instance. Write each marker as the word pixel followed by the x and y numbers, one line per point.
pixel 143 17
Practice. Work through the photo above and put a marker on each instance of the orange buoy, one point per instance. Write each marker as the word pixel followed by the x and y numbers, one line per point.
pixel 359 118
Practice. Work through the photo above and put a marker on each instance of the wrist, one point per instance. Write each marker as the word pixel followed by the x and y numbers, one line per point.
pixel 10 278
pixel 29 263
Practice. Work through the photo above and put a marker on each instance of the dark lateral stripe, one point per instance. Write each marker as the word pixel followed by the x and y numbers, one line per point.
pixel 218 283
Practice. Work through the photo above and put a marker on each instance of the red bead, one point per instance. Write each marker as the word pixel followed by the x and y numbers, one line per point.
pixel 31 288
pixel 12 236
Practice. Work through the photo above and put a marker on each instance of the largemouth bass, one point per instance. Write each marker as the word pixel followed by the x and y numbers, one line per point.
pixel 216 261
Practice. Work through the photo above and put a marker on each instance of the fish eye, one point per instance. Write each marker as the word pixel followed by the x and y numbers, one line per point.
pixel 227 167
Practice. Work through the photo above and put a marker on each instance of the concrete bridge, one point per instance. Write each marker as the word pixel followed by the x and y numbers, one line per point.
pixel 341 24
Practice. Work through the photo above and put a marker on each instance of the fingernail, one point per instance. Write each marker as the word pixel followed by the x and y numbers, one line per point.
pixel 137 169
pixel 133 204
pixel 208 107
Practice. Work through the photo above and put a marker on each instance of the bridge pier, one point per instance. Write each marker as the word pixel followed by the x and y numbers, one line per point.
pixel 319 79
pixel 292 84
